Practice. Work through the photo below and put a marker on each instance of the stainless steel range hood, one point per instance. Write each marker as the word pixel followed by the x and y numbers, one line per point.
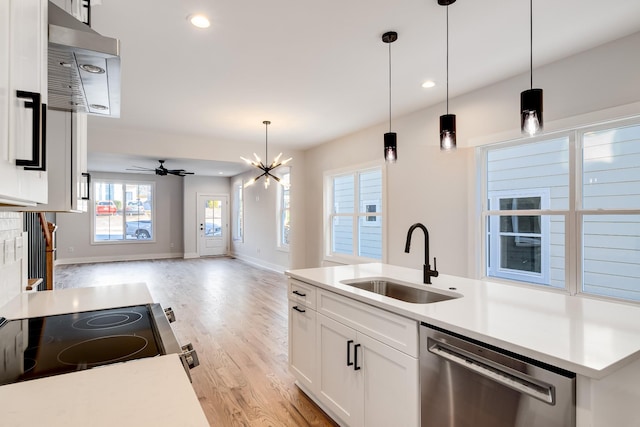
pixel 84 67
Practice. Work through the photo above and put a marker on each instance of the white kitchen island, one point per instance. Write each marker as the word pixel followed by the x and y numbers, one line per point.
pixel 598 340
pixel 153 391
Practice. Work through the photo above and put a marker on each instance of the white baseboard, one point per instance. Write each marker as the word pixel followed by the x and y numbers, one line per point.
pixel 190 255
pixel 137 257
pixel 260 263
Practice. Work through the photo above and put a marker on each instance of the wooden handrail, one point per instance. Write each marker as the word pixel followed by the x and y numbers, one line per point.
pixel 45 230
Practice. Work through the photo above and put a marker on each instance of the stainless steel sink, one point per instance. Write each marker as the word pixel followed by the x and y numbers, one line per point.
pixel 400 291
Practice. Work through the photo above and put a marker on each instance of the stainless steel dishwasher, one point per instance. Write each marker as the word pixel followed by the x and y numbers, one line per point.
pixel 467 383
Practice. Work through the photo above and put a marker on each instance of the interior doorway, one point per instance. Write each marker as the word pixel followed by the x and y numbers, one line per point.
pixel 213 225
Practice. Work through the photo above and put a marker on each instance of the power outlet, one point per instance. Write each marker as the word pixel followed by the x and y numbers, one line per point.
pixel 18 250
pixel 71 249
pixel 172 245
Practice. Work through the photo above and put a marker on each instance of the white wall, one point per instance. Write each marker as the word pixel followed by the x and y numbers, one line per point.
pixel 73 237
pixel 439 189
pixel 260 229
pixel 101 139
pixel 13 261
pixel 193 186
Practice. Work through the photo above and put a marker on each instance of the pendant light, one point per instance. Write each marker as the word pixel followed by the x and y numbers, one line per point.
pixel 447 121
pixel 390 138
pixel 266 170
pixel 531 99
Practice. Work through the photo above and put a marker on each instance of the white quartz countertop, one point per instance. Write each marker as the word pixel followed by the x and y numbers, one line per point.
pixel 153 391
pixel 46 303
pixel 590 337
pixel 145 392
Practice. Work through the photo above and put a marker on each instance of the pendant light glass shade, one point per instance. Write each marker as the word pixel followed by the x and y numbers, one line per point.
pixel 531 111
pixel 390 147
pixel 531 100
pixel 390 138
pixel 447 121
pixel 448 132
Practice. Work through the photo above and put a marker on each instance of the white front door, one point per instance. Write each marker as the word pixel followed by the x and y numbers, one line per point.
pixel 212 225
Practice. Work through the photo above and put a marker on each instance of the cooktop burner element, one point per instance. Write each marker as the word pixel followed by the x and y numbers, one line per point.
pixel 102 350
pixel 107 320
pixel 51 345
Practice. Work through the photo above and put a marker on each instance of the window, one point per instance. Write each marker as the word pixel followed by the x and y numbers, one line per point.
pixel 284 210
pixel 238 210
pixel 517 245
pixel 545 213
pixel 353 211
pixel 123 211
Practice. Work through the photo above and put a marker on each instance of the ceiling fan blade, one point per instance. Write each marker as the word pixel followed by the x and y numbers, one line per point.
pixel 179 172
pixel 139 168
pixel 161 170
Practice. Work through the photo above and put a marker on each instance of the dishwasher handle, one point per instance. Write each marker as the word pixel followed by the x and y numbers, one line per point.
pixel 493 371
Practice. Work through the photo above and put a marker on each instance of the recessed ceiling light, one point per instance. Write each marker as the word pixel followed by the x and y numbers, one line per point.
pixel 199 20
pixel 428 84
pixel 220 173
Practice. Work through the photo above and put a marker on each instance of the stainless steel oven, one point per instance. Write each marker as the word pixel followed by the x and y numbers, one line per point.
pixel 43 346
pixel 467 383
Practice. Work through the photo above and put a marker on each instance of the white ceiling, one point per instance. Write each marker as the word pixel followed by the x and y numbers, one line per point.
pixel 319 70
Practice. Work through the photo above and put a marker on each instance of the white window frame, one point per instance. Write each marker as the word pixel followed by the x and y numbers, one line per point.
pixel 124 183
pixel 356 216
pixel 238 212
pixel 573 215
pixel 494 270
pixel 280 210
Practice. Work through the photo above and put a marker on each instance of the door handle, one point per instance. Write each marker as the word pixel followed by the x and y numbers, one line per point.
pixel 494 371
pixel 355 357
pixel 88 176
pixel 38 131
pixel 349 362
pixel 299 310
pixel 300 294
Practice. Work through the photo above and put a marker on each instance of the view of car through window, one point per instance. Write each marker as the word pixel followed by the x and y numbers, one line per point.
pixel 123 212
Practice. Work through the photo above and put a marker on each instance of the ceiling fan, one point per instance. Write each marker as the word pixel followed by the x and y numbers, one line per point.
pixel 161 170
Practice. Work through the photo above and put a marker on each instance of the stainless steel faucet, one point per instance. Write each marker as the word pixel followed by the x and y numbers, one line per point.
pixel 428 273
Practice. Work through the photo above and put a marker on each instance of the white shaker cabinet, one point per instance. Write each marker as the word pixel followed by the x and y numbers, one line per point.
pixel 302 333
pixel 69 180
pixel 23 96
pixel 363 368
pixel 363 381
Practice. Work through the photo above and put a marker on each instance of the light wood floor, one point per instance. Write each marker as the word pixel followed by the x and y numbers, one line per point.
pixel 236 317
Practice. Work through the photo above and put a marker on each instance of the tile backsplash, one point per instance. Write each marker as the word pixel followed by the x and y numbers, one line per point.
pixel 12 264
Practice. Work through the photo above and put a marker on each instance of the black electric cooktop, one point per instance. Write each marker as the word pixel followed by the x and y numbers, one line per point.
pixel 44 346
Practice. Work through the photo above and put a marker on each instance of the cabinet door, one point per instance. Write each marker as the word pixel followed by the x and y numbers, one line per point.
pixel 390 385
pixel 4 79
pixel 302 344
pixel 80 178
pixel 23 67
pixel 339 385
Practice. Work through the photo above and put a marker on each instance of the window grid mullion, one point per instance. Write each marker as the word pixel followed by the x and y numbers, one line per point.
pixel 356 211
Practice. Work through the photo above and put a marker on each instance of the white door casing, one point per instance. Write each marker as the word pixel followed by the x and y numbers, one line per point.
pixel 212 212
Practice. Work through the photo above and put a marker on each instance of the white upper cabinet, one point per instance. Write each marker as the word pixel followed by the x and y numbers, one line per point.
pixel 69 181
pixel 23 98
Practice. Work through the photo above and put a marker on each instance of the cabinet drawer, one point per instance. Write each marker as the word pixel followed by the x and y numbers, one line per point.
pixel 396 331
pixel 303 293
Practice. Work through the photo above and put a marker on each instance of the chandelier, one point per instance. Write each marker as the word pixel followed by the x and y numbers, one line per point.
pixel 266 170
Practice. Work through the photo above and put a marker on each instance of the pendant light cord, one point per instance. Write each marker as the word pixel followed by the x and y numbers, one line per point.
pixel 447 59
pixel 266 139
pixel 531 40
pixel 389 87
